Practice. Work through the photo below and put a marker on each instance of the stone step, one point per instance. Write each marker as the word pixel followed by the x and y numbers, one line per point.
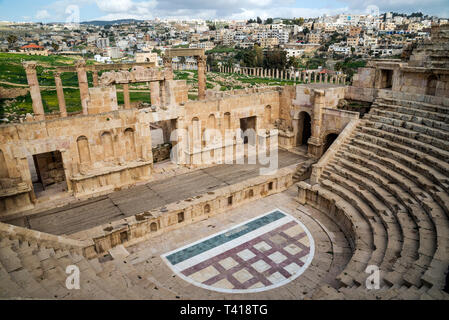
pixel 435 142
pixel 425 149
pixel 435 212
pixel 396 251
pixel 398 184
pixel 364 238
pixel 379 232
pixel 8 288
pixel 435 124
pixel 431 167
pixel 415 104
pixel 378 202
pixel 9 259
pixel 29 285
pixel 426 177
pixel 420 128
pixel 395 111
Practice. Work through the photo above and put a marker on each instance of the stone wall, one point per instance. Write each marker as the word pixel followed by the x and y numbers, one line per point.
pixel 96 151
pixel 148 224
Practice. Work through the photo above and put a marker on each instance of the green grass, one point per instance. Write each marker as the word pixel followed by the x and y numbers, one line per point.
pixel 11 69
pixel 53 60
pixel 143 96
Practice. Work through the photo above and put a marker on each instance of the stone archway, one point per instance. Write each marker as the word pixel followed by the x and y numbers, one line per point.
pixel 304 128
pixel 328 140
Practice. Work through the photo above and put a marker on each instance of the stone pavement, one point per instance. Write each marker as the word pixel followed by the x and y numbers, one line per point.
pixel 331 252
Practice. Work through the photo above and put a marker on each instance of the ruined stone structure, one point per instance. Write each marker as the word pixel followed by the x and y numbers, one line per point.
pixel 302 76
pixel 376 196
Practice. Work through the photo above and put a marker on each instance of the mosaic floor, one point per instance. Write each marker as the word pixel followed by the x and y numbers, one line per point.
pixel 257 255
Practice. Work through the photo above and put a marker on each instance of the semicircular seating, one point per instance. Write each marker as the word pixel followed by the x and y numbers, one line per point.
pixel 392 178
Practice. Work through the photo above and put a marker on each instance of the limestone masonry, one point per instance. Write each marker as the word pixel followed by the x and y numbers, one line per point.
pixel 349 193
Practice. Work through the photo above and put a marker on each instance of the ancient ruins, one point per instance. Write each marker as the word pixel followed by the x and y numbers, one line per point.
pixel 350 192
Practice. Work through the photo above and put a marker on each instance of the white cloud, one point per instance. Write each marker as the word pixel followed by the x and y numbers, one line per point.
pixel 286 12
pixel 115 6
pixel 42 14
pixel 126 9
pixel 433 7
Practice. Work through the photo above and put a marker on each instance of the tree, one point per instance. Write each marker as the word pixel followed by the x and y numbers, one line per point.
pixel 276 59
pixel 259 55
pixel 259 21
pixel 11 39
pixel 55 46
pixel 212 27
pixel 269 21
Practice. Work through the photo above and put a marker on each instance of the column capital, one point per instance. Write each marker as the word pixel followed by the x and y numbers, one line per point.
pixel 80 63
pixel 201 59
pixel 29 65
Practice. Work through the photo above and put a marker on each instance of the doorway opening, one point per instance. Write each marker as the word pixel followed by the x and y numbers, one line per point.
pixel 248 127
pixel 386 79
pixel 304 129
pixel 330 138
pixel 160 139
pixel 47 173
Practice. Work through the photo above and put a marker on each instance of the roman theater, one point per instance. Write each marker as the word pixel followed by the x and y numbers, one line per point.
pixel 292 192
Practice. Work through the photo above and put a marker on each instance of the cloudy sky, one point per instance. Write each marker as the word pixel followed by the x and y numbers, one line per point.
pixel 85 10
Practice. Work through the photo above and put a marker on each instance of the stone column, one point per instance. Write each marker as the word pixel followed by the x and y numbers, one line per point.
pixel 326 78
pixel 95 78
pixel 168 68
pixel 162 93
pixel 201 61
pixel 294 76
pixel 277 73
pixel 321 78
pixel 315 143
pixel 35 91
pixel 155 93
pixel 126 99
pixel 60 94
pixel 282 74
pixel 83 84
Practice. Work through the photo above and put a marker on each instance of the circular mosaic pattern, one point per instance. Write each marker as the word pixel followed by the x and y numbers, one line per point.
pixel 260 254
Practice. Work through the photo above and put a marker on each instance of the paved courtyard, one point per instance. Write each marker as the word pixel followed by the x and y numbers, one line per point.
pixel 262 253
pixel 272 248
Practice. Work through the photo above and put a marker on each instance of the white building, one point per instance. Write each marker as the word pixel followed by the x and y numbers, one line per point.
pixel 102 43
pixel 296 53
pixel 101 59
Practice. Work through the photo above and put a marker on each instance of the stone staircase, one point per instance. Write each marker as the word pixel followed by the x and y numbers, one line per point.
pixel 391 179
pixel 29 269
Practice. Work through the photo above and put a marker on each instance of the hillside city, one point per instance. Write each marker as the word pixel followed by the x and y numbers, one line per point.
pixel 299 42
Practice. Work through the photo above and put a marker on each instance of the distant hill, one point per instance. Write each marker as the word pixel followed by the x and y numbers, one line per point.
pixel 103 23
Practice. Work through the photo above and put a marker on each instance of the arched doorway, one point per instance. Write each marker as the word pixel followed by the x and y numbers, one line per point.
pixel 330 138
pixel 304 129
pixel 432 85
